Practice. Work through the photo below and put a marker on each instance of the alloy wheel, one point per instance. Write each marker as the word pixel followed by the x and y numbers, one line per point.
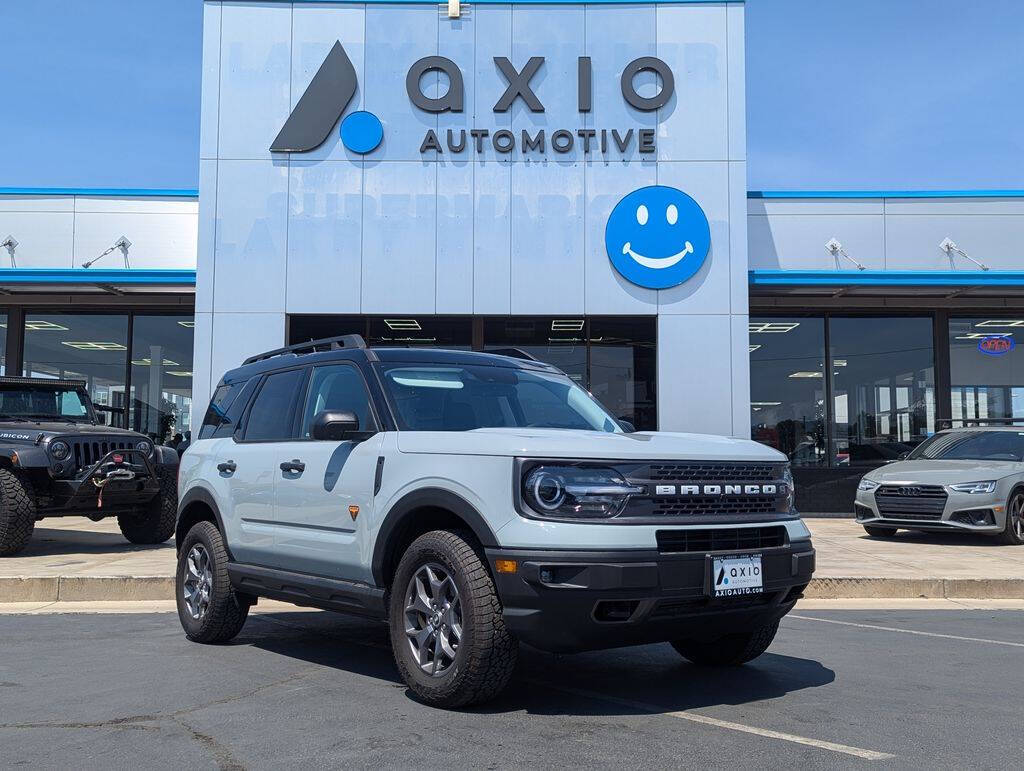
pixel 433 618
pixel 198 582
pixel 1016 515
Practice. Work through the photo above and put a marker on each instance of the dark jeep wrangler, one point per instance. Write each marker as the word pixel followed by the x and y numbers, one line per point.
pixel 59 459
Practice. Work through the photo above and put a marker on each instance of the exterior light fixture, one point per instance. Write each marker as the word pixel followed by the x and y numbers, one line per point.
pixel 836 250
pixel 122 243
pixel 10 244
pixel 949 246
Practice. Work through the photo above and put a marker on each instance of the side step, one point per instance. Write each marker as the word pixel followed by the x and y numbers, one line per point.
pixel 313 591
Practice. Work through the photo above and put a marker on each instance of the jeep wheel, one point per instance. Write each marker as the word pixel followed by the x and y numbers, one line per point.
pixel 447 631
pixel 880 532
pixel 156 525
pixel 729 651
pixel 17 513
pixel 1013 533
pixel 210 611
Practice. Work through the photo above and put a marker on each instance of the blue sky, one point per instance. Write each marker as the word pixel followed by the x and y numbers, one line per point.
pixel 841 94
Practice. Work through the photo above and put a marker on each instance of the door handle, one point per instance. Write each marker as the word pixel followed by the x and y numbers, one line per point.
pixel 295 466
pixel 228 467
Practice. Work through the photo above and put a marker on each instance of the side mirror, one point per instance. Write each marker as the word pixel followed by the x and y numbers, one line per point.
pixel 903 456
pixel 334 425
pixel 628 427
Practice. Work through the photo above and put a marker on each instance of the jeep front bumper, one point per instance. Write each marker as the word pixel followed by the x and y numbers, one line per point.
pixel 566 601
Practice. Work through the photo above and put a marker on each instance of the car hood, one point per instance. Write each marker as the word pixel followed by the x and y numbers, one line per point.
pixel 565 443
pixel 30 431
pixel 943 472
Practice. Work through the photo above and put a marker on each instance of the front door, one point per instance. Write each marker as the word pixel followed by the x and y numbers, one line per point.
pixel 324 489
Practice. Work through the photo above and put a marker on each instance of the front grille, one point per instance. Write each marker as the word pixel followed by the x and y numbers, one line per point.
pixel 687 473
pixel 720 539
pixel 86 452
pixel 686 605
pixel 911 502
pixel 682 506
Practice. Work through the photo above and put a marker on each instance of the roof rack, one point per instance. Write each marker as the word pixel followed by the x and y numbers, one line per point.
pixel 312 346
pixel 514 353
pixel 980 421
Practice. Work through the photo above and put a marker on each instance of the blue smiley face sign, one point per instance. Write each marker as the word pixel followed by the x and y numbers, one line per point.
pixel 657 237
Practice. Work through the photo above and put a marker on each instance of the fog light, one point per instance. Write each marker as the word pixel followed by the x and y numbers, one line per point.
pixel 507 566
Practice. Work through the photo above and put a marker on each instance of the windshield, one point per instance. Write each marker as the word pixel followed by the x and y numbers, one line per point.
pixel 972 445
pixel 463 397
pixel 43 402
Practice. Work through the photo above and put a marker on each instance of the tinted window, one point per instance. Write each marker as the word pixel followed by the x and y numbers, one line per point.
pixel 273 412
pixel 217 412
pixel 973 445
pixel 339 388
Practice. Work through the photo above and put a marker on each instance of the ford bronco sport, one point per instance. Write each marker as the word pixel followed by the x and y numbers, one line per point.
pixel 474 501
pixel 57 459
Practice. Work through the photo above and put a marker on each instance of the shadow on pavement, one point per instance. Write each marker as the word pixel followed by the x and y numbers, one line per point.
pixel 47 542
pixel 638 680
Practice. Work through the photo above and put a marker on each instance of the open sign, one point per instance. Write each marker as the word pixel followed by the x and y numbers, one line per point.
pixel 996 345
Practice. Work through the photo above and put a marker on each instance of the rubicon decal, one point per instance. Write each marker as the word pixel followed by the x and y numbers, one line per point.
pixel 335 84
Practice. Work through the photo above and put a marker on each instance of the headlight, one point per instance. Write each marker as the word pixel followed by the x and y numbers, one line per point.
pixel 144 447
pixel 576 491
pixel 787 478
pixel 975 487
pixel 866 485
pixel 59 450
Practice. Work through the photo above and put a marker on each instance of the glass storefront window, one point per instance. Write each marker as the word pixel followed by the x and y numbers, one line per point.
pixel 89 347
pixel 623 368
pixel 558 341
pixel 3 343
pixel 986 368
pixel 161 381
pixel 883 387
pixel 787 387
pixel 454 332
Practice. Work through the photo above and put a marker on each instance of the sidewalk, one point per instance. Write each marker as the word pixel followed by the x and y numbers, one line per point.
pixel 75 560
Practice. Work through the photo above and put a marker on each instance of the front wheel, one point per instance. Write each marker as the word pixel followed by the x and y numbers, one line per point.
pixel 730 650
pixel 447 631
pixel 1013 533
pixel 210 611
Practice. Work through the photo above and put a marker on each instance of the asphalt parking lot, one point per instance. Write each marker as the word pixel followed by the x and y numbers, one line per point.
pixel 838 689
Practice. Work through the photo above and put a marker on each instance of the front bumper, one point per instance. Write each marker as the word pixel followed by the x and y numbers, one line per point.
pixel 962 512
pixel 566 601
pixel 108 486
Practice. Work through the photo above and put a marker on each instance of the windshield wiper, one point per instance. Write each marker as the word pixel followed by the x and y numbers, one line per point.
pixel 4 416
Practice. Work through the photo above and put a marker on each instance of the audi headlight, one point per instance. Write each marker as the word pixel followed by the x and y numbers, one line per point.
pixel 866 485
pixel 144 447
pixel 59 450
pixel 576 491
pixel 975 488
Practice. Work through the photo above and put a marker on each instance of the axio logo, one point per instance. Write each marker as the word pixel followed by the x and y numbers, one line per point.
pixel 319 108
pixel 657 237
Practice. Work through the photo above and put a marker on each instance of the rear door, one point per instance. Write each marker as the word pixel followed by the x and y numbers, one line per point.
pixel 325 488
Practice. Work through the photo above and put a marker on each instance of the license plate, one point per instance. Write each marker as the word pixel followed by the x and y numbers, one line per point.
pixel 737 575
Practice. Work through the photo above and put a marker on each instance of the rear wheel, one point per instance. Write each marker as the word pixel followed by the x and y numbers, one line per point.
pixel 730 650
pixel 17 513
pixel 447 631
pixel 880 532
pixel 156 525
pixel 1013 533
pixel 210 611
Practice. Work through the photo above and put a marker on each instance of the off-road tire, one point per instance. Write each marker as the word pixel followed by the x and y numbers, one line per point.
pixel 880 532
pixel 227 610
pixel 157 524
pixel 17 512
pixel 730 650
pixel 1009 534
pixel 487 653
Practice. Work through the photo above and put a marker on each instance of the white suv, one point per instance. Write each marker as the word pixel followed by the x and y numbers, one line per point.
pixel 473 501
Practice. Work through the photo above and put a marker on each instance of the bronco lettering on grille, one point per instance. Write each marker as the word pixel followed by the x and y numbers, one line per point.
pixel 740 489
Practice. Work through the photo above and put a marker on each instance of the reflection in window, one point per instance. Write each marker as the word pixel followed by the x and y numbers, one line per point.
pixel 88 347
pixel 3 343
pixel 161 382
pixel 562 342
pixel 986 371
pixel 787 387
pixel 883 387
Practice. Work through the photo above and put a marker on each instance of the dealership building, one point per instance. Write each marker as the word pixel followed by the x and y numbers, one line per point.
pixel 568 179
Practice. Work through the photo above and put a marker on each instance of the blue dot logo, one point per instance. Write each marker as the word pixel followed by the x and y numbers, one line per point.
pixel 361 132
pixel 657 237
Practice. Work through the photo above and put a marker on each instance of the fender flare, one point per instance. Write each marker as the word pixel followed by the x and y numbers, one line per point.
pixel 197 495
pixel 432 497
pixel 165 456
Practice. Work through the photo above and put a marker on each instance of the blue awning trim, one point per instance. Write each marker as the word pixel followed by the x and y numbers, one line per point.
pixel 113 276
pixel 886 278
pixel 105 192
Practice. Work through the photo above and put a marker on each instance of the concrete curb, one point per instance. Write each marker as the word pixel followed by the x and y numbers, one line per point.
pixel 132 588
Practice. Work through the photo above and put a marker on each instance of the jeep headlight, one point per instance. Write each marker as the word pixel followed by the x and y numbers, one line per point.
pixel 866 485
pixel 59 449
pixel 975 488
pixel 145 447
pixel 576 491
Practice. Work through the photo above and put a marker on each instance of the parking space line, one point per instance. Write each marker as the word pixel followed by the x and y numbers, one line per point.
pixel 693 717
pixel 908 631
